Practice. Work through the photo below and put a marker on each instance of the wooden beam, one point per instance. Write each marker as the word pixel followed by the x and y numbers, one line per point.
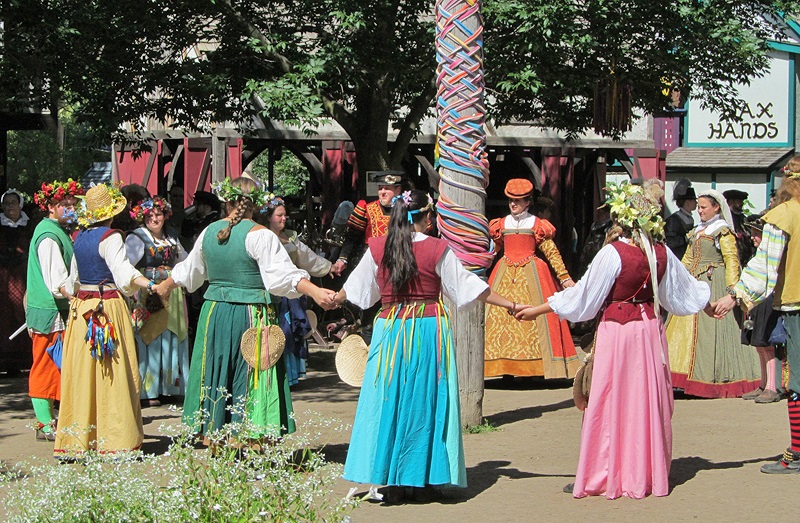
pixel 175 159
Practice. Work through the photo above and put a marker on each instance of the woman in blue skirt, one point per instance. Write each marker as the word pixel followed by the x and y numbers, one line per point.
pixel 407 430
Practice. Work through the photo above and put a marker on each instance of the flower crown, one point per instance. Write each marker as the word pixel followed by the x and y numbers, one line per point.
pixel 274 201
pixel 788 173
pixel 226 192
pixel 145 207
pixel 637 206
pixel 56 191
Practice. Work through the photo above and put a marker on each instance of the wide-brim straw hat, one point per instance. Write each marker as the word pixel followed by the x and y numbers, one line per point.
pixel 351 360
pixel 100 203
pixel 312 320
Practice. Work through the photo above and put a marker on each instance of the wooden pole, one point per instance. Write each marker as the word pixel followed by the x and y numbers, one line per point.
pixel 463 166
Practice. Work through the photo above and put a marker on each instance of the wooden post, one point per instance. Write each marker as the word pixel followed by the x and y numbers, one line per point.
pixel 464 176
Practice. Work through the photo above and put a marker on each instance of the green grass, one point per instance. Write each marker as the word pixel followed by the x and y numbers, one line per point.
pixel 482 428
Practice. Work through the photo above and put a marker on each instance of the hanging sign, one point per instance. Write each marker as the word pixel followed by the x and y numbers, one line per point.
pixel 766 121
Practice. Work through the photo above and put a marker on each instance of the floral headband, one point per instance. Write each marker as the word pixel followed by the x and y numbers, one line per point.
pixel 147 206
pixel 789 173
pixel 406 199
pixel 637 206
pixel 226 192
pixel 56 191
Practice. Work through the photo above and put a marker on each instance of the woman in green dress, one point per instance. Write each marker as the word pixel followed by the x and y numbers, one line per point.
pixel 706 356
pixel 243 263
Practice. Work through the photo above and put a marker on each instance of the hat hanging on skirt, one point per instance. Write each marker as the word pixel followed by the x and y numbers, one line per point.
pixel 351 360
pixel 262 346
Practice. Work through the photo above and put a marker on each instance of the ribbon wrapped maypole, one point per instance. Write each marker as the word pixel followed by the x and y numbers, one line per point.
pixel 464 175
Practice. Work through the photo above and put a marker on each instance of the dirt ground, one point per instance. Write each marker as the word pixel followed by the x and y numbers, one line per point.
pixel 517 472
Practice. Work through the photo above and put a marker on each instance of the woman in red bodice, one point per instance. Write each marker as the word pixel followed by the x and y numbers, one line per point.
pixel 539 348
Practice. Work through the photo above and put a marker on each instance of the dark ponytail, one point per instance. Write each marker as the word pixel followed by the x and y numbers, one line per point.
pixel 398 255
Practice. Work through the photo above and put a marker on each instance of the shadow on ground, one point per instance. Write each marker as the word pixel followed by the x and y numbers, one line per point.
pixel 686 468
pixel 526 413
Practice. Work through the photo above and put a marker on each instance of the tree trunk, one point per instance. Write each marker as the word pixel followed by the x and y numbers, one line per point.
pixel 464 176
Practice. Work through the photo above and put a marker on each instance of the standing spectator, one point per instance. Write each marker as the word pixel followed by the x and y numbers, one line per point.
pixel 626 438
pixel 735 199
pixel 706 356
pixel 681 222
pixel 49 293
pixel 776 269
pixel 407 429
pixel 161 331
pixel 100 380
pixel 763 319
pixel 292 315
pixel 540 348
pixel 15 235
pixel 205 212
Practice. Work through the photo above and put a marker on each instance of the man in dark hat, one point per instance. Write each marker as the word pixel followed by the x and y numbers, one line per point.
pixel 681 222
pixel 744 244
pixel 370 220
pixel 204 212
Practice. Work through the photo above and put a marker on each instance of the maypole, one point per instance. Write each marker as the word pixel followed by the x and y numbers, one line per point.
pixel 464 172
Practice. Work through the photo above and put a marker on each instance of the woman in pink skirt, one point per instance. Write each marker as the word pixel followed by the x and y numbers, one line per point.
pixel 626 439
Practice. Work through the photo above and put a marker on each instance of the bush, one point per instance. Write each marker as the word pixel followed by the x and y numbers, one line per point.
pixel 282 481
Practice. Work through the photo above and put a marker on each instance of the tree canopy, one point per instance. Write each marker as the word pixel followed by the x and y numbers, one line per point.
pixel 367 65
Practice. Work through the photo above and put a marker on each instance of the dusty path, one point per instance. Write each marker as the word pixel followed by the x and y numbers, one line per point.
pixel 517 472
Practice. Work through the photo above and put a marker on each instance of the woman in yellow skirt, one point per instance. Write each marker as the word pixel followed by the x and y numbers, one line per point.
pixel 100 378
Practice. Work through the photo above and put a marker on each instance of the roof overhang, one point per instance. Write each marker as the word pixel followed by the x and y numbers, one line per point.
pixel 741 159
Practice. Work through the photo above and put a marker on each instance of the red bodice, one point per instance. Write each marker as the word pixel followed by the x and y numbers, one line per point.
pixel 426 285
pixel 633 288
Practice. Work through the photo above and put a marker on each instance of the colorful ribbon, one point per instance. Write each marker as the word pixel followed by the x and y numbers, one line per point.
pixel 461 138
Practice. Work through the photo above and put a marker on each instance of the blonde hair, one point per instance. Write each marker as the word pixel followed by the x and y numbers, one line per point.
pixel 789 189
pixel 238 207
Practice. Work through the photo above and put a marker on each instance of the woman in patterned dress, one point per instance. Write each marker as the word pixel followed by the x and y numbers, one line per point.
pixel 539 348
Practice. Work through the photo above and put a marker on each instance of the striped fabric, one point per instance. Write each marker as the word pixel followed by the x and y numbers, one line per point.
pixel 759 278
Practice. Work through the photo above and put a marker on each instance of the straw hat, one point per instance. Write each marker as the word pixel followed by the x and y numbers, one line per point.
pixel 351 360
pixel 312 320
pixel 100 203
pixel 273 342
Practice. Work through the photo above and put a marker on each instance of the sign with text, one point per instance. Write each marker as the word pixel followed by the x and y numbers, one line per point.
pixel 766 121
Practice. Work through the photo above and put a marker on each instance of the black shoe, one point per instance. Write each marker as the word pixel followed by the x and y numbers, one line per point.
pixel 788 464
pixel 568 488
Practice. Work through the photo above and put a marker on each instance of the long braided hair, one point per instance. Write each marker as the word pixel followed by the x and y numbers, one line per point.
pixel 238 207
pixel 398 256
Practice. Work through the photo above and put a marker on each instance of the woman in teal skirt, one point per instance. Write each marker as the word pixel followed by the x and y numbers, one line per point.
pixel 407 429
pixel 243 262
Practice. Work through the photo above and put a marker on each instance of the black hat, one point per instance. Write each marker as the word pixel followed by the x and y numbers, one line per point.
pixel 207 198
pixel 386 177
pixel 735 194
pixel 683 190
